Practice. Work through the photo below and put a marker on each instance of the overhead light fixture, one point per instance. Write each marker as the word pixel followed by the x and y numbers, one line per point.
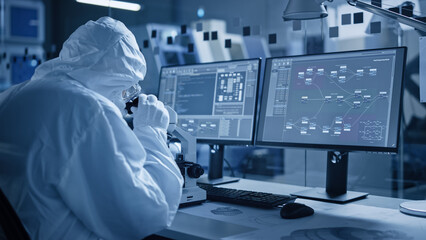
pixel 305 9
pixel 114 4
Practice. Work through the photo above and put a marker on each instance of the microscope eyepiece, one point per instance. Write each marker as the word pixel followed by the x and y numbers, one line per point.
pixel 132 103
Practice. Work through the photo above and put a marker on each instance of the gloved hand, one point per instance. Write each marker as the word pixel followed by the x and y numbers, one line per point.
pixel 150 112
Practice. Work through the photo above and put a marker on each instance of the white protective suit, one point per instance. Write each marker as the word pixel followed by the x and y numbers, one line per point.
pixel 69 164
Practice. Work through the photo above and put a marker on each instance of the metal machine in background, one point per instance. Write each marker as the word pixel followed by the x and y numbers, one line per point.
pixel 22 34
pixel 167 45
pixel 163 45
pixel 214 49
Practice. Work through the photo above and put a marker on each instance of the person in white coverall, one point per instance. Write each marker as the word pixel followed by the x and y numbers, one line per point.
pixel 69 164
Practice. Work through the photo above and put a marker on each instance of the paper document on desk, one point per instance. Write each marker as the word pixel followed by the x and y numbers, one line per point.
pixel 330 221
pixel 422 69
pixel 350 221
pixel 242 215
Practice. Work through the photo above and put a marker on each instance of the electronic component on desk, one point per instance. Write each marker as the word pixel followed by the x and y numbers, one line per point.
pixel 243 197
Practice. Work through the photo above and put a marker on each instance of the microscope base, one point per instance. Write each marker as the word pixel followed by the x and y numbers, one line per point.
pixel 192 196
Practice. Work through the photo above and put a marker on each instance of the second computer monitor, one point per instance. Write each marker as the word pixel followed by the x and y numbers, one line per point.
pixel 338 101
pixel 216 102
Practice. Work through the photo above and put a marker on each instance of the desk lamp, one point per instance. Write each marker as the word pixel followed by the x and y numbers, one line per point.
pixel 305 9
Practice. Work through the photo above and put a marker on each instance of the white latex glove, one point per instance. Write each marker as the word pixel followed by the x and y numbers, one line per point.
pixel 150 112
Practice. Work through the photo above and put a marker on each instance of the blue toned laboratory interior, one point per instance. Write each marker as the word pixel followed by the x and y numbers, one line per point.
pixel 212 119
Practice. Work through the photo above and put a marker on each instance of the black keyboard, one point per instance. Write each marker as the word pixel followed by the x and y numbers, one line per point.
pixel 243 197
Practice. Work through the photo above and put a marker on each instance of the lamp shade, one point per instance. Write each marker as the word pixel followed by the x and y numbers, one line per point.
pixel 303 10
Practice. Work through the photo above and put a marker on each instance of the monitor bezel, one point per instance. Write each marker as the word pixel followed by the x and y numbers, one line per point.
pixel 332 147
pixel 225 141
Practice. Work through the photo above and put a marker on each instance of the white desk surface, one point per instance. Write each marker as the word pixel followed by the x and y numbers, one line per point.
pixel 373 217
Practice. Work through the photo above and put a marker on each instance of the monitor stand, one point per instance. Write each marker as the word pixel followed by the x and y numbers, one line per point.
pixel 336 185
pixel 215 176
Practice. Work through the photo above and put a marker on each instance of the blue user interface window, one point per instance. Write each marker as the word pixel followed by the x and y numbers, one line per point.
pixel 24 22
pixel 214 101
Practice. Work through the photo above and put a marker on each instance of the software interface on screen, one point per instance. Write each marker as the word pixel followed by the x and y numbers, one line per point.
pixel 214 101
pixel 348 98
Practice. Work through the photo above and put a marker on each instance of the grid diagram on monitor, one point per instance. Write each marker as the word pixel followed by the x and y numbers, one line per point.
pixel 332 99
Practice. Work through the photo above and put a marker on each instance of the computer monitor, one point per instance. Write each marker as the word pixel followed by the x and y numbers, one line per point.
pixel 340 102
pixel 216 102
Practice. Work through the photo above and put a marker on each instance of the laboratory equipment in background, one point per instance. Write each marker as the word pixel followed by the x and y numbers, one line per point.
pixel 210 37
pixel 163 45
pixel 212 48
pixel 216 102
pixel 340 102
pixel 256 47
pixel 200 42
pixel 22 36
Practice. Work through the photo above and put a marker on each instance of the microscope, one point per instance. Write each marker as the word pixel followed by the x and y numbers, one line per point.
pixel 186 157
pixel 186 161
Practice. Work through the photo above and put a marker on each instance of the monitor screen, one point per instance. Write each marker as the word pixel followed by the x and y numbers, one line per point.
pixel 336 101
pixel 216 102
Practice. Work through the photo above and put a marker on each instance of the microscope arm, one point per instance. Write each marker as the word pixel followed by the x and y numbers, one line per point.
pixel 188 142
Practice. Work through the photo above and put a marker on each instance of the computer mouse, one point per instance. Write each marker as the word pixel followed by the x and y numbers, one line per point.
pixel 295 210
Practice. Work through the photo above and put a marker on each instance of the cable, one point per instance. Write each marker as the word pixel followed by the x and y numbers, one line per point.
pixel 403 121
pixel 306 167
pixel 244 166
pixel 230 167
